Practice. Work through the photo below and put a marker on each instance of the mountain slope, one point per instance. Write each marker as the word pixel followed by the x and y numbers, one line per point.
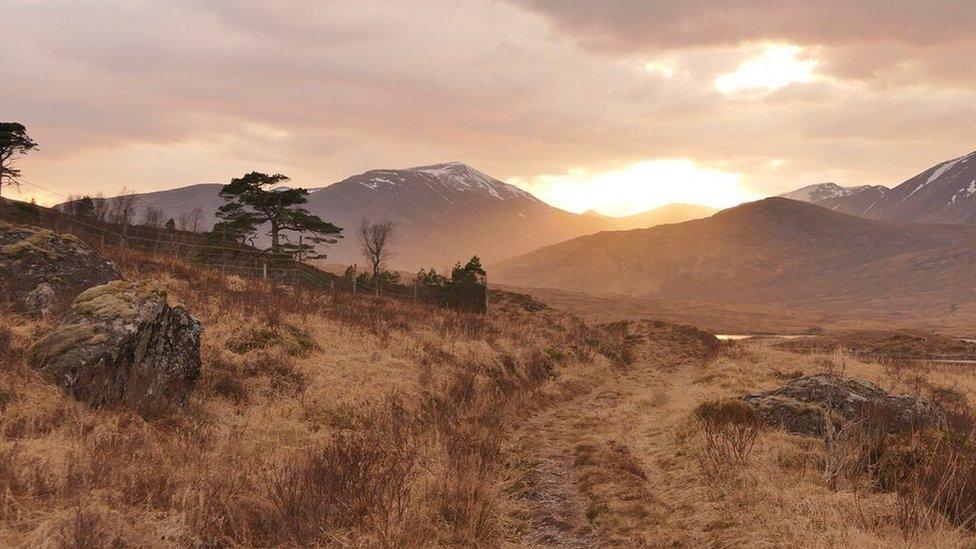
pixel 774 250
pixel 944 193
pixel 444 213
pixel 848 200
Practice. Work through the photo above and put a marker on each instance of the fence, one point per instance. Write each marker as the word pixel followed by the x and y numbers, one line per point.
pixel 235 258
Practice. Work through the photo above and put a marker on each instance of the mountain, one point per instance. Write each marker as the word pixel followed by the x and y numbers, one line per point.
pixel 944 193
pixel 771 251
pixel 671 213
pixel 444 213
pixel 848 200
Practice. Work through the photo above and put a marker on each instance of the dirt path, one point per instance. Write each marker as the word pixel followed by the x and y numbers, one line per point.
pixel 555 508
pixel 581 485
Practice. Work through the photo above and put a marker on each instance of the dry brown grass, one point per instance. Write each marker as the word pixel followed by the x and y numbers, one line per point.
pixel 319 419
pixel 329 419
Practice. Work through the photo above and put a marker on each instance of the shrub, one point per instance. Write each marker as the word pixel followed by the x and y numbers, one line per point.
pixel 344 483
pixel 730 428
pixel 295 341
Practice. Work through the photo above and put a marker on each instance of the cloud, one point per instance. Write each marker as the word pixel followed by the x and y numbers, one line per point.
pixel 642 25
pixel 160 94
pixel 638 187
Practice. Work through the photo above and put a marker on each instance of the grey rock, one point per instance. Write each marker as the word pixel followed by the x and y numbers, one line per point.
pixel 42 300
pixel 815 405
pixel 41 272
pixel 123 343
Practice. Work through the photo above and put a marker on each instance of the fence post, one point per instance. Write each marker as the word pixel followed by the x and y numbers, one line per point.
pixel 486 293
pixel 415 289
pixel 264 270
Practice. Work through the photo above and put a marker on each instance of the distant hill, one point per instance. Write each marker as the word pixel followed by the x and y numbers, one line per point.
pixel 773 250
pixel 445 213
pixel 671 213
pixel 944 193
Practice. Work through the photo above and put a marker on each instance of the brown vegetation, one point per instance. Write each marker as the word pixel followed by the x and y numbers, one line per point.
pixel 329 419
pixel 319 418
pixel 885 344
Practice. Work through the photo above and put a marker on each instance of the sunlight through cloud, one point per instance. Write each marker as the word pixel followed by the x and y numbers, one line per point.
pixel 639 187
pixel 777 66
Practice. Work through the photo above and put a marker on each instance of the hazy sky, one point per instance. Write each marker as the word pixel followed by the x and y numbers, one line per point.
pixel 617 105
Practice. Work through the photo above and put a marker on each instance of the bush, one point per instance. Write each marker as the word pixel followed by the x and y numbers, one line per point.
pixel 730 428
pixel 345 483
pixel 294 340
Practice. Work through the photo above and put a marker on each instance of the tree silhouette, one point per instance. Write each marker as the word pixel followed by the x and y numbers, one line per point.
pixel 14 142
pixel 252 201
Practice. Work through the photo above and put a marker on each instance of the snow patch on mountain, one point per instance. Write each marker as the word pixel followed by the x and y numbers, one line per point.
pixel 938 172
pixel 449 177
pixel 963 193
pixel 824 191
pixel 463 178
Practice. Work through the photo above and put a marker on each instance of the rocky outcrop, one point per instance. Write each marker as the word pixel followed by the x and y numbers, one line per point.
pixel 122 342
pixel 41 272
pixel 816 405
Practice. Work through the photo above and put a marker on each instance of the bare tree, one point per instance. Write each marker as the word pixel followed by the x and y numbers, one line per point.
pixel 374 242
pixel 121 208
pixel 100 207
pixel 152 217
pixel 196 216
pixel 190 220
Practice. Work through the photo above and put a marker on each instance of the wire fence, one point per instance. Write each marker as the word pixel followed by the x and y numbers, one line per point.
pixel 239 259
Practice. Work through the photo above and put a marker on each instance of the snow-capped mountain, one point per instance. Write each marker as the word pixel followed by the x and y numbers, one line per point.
pixel 850 200
pixel 944 193
pixel 445 213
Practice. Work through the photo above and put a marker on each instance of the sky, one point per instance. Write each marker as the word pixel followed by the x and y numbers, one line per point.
pixel 616 105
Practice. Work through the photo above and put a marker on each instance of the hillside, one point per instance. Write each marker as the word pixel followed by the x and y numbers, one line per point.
pixel 771 251
pixel 445 213
pixel 944 193
pixel 670 213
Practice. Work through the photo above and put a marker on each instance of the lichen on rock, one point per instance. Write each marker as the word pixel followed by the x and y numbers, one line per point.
pixel 815 405
pixel 122 342
pixel 41 271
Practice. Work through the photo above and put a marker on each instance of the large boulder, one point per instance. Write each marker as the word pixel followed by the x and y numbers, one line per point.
pixel 41 272
pixel 122 342
pixel 816 405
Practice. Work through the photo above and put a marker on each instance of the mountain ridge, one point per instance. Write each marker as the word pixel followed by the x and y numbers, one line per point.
pixel 772 250
pixel 943 193
pixel 445 212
